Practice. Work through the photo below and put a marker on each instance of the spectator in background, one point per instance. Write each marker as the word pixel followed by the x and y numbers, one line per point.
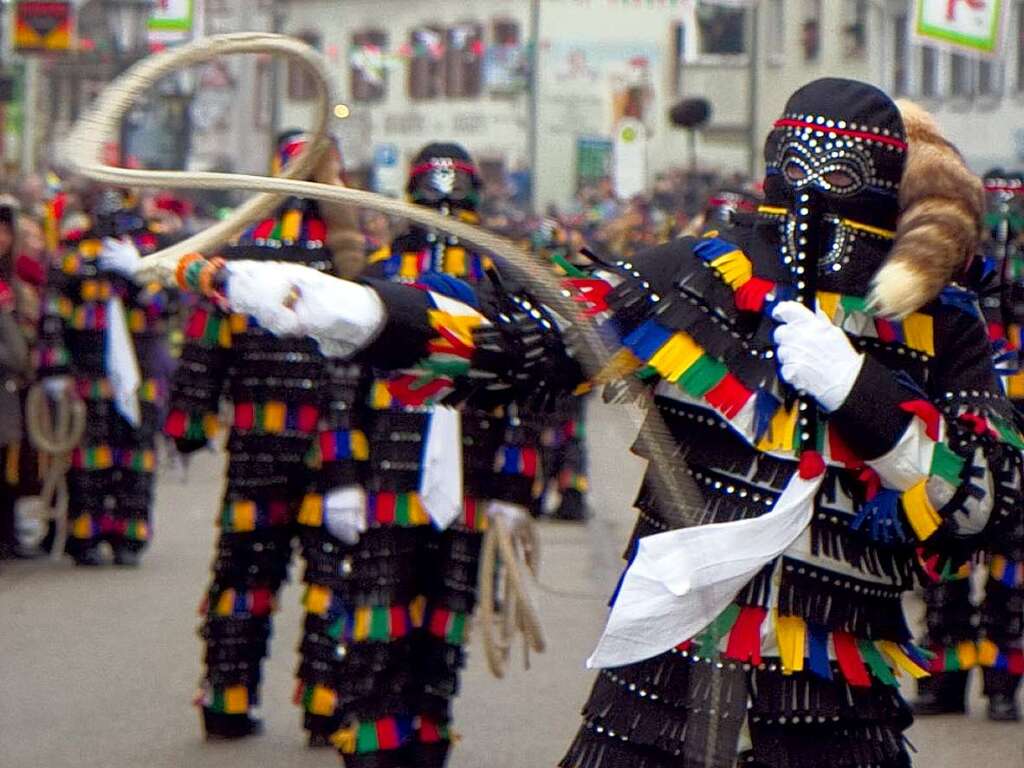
pixel 14 370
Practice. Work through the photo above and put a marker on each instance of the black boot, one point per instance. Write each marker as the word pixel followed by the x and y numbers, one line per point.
pixel 87 557
pixel 127 555
pixel 942 694
pixel 319 728
pixel 389 758
pixel 572 508
pixel 220 727
pixel 1001 690
pixel 431 755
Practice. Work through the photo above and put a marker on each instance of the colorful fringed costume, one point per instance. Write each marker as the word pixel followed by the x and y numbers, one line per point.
pixel 388 625
pixel 110 482
pixel 989 635
pixel 279 390
pixel 763 621
pixel 795 665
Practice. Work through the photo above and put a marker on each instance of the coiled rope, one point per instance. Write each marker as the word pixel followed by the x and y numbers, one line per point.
pixel 54 433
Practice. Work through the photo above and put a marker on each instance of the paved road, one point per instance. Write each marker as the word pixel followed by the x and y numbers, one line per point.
pixel 98 667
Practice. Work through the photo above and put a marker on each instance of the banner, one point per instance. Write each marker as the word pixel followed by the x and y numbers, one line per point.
pixel 43 26
pixel 171 22
pixel 974 26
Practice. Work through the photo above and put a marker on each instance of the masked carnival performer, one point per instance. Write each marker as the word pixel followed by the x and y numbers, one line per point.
pixel 99 337
pixel 963 635
pixel 287 401
pixel 831 443
pixel 392 606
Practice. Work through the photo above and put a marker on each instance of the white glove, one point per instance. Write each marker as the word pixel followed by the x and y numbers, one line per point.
pixel 816 356
pixel 57 386
pixel 345 513
pixel 293 300
pixel 120 256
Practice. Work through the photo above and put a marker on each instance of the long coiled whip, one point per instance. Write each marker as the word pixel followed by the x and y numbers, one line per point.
pixel 679 500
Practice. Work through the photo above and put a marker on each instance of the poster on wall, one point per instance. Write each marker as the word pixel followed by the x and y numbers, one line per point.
pixel 629 175
pixel 43 26
pixel 589 86
pixel 972 26
pixel 171 22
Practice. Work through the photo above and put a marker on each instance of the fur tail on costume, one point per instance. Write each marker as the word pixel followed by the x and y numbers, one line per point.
pixel 942 204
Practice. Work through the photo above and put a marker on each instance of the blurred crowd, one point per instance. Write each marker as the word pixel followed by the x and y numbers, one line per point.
pixel 38 212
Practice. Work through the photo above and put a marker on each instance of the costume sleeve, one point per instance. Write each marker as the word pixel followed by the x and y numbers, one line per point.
pixel 52 355
pixel 951 453
pixel 198 382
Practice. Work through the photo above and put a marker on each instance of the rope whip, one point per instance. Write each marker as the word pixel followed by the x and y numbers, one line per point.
pixel 54 433
pixel 679 499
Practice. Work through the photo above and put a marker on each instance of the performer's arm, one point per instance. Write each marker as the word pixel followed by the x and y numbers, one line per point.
pixel 52 356
pixel 951 453
pixel 198 381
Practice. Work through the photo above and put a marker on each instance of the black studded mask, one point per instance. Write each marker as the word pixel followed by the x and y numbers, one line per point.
pixel 834 163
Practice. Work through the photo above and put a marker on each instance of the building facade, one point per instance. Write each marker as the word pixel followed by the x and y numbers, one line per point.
pixel 980 103
pixel 458 70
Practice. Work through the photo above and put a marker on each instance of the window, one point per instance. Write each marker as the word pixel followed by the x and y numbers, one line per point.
pixel 776 31
pixel 929 72
pixel 810 30
pixel 426 63
pixel 855 29
pixel 989 79
pixel 464 61
pixel 367 65
pixel 505 64
pixel 960 76
pixel 900 58
pixel 506 32
pixel 301 85
pixel 721 30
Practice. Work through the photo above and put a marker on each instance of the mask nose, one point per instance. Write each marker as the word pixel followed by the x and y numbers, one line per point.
pixel 807 239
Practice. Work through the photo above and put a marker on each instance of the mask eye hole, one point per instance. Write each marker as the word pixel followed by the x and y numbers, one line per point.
pixel 795 172
pixel 840 179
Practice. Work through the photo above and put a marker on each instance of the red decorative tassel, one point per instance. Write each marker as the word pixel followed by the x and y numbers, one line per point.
pixel 261 602
pixel 811 464
pixel 850 662
pixel 316 230
pixel 840 451
pixel 750 296
pixel 439 622
pixel 979 424
pixel 308 416
pixel 405 391
pixel 927 413
pixel 728 396
pixel 429 733
pixel 745 638
pixel 387 734
pixel 175 424
pixel 1015 662
pixel 245 415
pixel 872 483
pixel 197 324
pixel 590 292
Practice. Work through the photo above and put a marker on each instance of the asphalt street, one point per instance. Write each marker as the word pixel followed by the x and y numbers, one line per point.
pixel 98 667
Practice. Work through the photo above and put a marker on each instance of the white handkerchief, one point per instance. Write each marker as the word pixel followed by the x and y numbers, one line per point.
pixel 122 365
pixel 441 478
pixel 681 580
